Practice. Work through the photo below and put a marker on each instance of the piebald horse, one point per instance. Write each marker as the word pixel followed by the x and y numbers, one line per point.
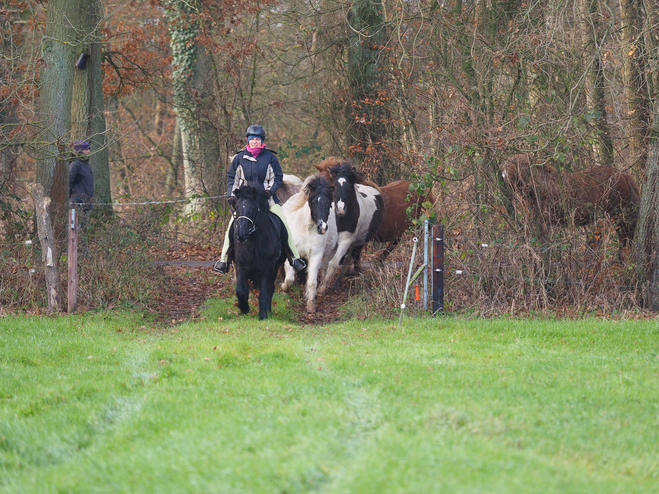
pixel 359 210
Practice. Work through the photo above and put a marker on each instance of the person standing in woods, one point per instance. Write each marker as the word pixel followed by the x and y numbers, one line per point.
pixel 81 183
pixel 257 164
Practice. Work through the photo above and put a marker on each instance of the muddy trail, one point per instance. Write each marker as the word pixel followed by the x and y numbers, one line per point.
pixel 192 282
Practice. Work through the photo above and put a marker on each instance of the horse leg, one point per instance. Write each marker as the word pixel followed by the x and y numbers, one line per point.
pixel 242 291
pixel 356 258
pixel 387 250
pixel 266 292
pixel 290 277
pixel 333 265
pixel 312 280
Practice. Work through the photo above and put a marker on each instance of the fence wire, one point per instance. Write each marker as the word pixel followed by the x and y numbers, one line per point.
pixel 492 271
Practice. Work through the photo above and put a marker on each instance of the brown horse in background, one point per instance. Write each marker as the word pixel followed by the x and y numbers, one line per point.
pixel 560 197
pixel 397 199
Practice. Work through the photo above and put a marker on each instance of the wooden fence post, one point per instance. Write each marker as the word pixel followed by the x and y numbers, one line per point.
pixel 73 261
pixel 48 248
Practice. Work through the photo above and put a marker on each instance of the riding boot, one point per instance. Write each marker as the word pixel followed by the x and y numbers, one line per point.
pixel 297 262
pixel 222 265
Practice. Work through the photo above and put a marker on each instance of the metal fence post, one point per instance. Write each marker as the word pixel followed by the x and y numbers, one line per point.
pixel 438 269
pixel 73 262
pixel 425 261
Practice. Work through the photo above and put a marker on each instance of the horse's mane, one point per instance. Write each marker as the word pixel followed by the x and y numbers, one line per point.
pixel 325 167
pixel 300 198
pixel 355 176
pixel 328 163
pixel 261 196
pixel 316 185
pixel 312 185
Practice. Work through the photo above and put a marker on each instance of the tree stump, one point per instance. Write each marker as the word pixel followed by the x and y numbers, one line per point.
pixel 48 247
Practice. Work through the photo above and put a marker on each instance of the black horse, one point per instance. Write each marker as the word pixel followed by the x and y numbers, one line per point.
pixel 258 248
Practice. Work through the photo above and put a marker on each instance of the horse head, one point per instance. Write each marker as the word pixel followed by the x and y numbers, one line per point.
pixel 345 177
pixel 320 199
pixel 251 203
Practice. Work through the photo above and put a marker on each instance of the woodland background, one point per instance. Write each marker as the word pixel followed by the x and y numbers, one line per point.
pixel 438 92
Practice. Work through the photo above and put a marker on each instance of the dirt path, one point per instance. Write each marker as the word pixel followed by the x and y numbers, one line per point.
pixel 194 282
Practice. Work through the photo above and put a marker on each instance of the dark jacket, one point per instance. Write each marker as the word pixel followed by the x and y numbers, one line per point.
pixel 81 182
pixel 265 169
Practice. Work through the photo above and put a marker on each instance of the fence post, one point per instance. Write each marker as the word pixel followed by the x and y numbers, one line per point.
pixel 48 247
pixel 438 269
pixel 425 261
pixel 73 261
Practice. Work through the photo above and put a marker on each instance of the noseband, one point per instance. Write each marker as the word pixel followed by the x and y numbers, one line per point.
pixel 251 230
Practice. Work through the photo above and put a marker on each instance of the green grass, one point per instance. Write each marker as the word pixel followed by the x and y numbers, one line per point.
pixel 118 403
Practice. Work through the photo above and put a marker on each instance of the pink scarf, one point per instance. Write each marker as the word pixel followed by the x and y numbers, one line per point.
pixel 255 151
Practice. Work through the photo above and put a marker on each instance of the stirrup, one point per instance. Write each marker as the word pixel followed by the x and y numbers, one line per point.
pixel 298 265
pixel 221 267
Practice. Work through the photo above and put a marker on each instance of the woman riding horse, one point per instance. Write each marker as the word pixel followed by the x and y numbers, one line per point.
pixel 255 163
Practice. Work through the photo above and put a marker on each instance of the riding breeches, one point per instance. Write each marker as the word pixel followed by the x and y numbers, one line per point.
pixel 275 209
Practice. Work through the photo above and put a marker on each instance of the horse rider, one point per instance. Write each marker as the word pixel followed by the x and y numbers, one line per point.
pixel 256 163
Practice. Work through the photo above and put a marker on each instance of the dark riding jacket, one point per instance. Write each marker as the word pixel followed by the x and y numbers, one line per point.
pixel 264 169
pixel 81 183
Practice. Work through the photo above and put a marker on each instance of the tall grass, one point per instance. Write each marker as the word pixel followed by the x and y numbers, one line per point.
pixel 107 403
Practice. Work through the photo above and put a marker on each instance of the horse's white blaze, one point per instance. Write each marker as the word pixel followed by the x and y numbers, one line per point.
pixel 342 181
pixel 340 208
pixel 323 227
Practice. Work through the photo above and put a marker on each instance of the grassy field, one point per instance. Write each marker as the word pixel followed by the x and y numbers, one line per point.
pixel 118 403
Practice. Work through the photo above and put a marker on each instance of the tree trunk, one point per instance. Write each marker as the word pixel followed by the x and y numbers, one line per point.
pixel 367 121
pixel 183 31
pixel 594 81
pixel 171 180
pixel 71 99
pixel 646 239
pixel 651 16
pixel 634 82
pixel 61 47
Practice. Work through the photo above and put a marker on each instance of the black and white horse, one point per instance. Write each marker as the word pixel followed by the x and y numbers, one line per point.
pixel 258 249
pixel 359 211
pixel 310 217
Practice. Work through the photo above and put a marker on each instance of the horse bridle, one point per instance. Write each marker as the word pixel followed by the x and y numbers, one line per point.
pixel 251 230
